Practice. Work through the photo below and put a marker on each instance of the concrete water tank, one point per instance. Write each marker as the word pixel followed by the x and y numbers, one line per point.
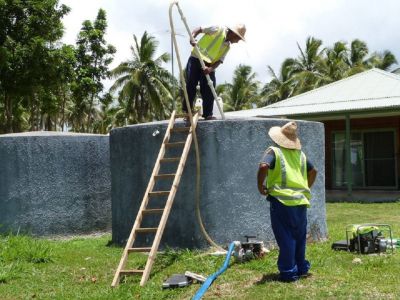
pixel 231 206
pixel 54 183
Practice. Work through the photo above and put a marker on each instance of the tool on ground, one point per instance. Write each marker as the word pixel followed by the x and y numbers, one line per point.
pixel 177 280
pixel 367 238
pixel 198 277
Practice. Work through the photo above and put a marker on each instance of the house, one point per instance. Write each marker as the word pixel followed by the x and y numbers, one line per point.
pixel 361 114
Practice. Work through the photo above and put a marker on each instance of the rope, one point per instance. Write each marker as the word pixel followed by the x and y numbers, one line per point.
pixel 196 145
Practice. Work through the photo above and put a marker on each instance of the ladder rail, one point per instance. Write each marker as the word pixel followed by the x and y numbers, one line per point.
pixel 168 206
pixel 145 200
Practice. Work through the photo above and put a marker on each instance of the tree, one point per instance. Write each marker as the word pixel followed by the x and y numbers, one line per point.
pixel 28 32
pixel 315 67
pixel 337 59
pixel 243 92
pixel 383 60
pixel 144 85
pixel 93 57
pixel 308 69
pixel 281 86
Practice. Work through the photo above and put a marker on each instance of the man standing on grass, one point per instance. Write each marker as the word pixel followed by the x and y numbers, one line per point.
pixel 285 177
pixel 213 45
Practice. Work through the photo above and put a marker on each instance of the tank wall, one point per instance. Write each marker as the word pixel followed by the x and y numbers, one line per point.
pixel 55 184
pixel 231 206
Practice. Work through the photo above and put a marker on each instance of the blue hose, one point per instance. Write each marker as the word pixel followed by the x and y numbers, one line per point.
pixel 214 276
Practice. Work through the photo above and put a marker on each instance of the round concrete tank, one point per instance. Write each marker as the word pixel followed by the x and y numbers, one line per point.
pixel 231 206
pixel 54 183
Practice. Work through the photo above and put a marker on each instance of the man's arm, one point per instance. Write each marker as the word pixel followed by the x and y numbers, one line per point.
pixel 195 33
pixel 261 175
pixel 311 175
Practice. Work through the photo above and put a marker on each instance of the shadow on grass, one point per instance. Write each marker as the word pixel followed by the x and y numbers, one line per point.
pixel 275 277
pixel 268 278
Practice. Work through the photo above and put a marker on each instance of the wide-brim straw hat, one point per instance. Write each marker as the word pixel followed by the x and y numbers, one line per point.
pixel 239 30
pixel 286 136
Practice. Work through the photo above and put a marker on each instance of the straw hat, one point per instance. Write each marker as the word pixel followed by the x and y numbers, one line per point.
pixel 285 136
pixel 239 30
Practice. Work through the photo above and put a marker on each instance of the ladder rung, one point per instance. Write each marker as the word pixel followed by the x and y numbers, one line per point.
pixel 163 176
pixel 152 211
pixel 146 230
pixel 139 249
pixel 170 159
pixel 176 144
pixel 180 129
pixel 159 193
pixel 131 272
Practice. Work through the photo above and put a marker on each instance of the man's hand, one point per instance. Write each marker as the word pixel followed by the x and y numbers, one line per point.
pixel 193 42
pixel 263 190
pixel 195 33
pixel 208 70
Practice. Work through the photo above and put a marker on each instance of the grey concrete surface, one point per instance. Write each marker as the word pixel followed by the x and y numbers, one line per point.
pixel 54 183
pixel 231 206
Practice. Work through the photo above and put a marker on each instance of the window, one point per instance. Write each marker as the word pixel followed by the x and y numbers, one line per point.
pixel 372 157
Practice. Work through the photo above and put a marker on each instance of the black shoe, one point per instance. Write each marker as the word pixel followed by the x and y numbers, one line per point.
pixel 288 279
pixel 209 118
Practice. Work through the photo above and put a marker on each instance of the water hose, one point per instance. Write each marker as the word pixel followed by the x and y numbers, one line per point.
pixel 196 145
pixel 214 276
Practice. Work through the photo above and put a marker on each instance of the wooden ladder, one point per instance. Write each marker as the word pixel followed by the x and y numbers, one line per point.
pixel 144 211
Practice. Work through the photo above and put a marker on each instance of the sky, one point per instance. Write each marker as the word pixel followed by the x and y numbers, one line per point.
pixel 273 27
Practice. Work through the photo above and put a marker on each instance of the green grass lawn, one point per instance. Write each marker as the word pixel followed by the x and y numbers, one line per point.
pixel 83 268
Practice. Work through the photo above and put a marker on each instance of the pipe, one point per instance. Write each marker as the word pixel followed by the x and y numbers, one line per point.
pixel 196 145
pixel 214 276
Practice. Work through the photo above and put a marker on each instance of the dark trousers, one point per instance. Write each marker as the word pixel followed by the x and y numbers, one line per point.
pixel 289 224
pixel 194 75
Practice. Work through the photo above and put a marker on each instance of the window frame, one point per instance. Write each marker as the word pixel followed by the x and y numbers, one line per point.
pixel 364 187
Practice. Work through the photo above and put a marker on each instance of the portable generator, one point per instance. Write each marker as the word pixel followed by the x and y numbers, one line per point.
pixel 366 239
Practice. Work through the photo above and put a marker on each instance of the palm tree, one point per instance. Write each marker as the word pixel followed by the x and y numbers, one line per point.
pixel 242 93
pixel 336 61
pixel 316 67
pixel 308 69
pixel 383 60
pixel 281 86
pixel 144 85
pixel 306 72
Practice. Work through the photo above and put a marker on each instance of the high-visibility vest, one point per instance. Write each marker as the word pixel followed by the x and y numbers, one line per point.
pixel 288 180
pixel 212 47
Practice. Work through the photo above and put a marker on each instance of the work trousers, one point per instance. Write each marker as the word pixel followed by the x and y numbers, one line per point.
pixel 289 224
pixel 194 75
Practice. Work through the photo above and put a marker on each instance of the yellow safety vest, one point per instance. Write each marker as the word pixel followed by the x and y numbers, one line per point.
pixel 288 180
pixel 212 47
